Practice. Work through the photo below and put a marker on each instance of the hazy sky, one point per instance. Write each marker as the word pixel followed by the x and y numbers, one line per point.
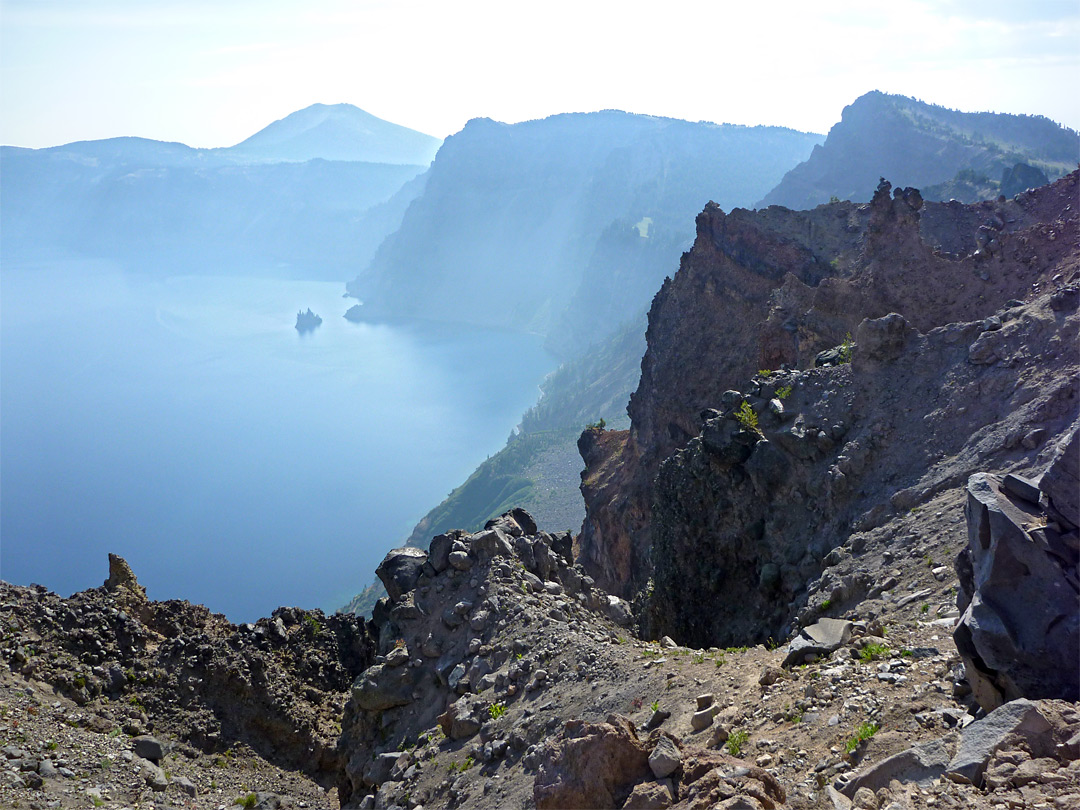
pixel 212 73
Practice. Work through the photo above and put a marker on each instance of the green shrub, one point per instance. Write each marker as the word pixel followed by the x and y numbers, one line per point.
pixel 497 710
pixel 846 349
pixel 736 740
pixel 784 392
pixel 747 418
pixel 872 652
pixel 863 731
pixel 247 802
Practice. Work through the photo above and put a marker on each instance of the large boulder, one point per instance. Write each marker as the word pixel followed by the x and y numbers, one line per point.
pixel 820 638
pixel 594 765
pixel 400 569
pixel 981 739
pixel 491 543
pixel 464 717
pixel 591 765
pixel 126 590
pixel 383 687
pixel 921 764
pixel 1020 624
pixel 881 340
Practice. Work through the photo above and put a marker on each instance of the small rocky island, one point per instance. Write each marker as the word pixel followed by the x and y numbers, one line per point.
pixel 307 321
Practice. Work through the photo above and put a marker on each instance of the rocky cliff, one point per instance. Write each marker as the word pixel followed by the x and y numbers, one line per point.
pixel 854 441
pixel 769 290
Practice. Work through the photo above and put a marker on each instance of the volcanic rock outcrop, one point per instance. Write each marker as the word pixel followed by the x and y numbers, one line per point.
pixel 1020 629
pixel 959 323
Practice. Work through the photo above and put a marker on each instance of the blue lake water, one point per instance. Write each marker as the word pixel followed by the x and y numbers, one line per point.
pixel 184 424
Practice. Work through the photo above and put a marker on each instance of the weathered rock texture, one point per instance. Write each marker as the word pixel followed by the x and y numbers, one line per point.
pixel 277 686
pixel 962 356
pixel 1020 629
pixel 599 765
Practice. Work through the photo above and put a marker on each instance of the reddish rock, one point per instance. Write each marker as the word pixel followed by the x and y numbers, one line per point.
pixel 591 765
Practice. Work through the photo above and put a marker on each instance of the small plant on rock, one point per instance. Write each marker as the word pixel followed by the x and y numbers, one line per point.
pixel 872 652
pixel 783 392
pixel 455 767
pixel 497 710
pixel 864 731
pixel 747 418
pixel 846 348
pixel 248 801
pixel 736 740
pixel 655 706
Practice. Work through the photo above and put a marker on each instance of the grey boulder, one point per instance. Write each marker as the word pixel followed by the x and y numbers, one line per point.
pixel 665 758
pixel 920 764
pixel 1020 628
pixel 400 569
pixel 381 687
pixel 982 738
pixel 148 747
pixel 820 638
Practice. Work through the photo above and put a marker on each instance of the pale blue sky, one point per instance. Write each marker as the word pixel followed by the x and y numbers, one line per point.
pixel 212 73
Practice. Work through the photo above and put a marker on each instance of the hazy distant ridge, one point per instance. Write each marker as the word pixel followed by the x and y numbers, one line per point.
pixel 527 226
pixel 296 200
pixel 911 143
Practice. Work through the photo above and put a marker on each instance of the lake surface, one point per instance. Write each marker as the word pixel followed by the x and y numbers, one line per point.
pixel 184 424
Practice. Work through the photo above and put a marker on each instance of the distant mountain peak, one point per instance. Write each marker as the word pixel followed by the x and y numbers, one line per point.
pixel 338 132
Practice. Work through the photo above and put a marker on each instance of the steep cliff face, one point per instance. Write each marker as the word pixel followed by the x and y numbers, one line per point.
pixel 770 288
pixel 744 518
pixel 913 143
pixel 520 221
